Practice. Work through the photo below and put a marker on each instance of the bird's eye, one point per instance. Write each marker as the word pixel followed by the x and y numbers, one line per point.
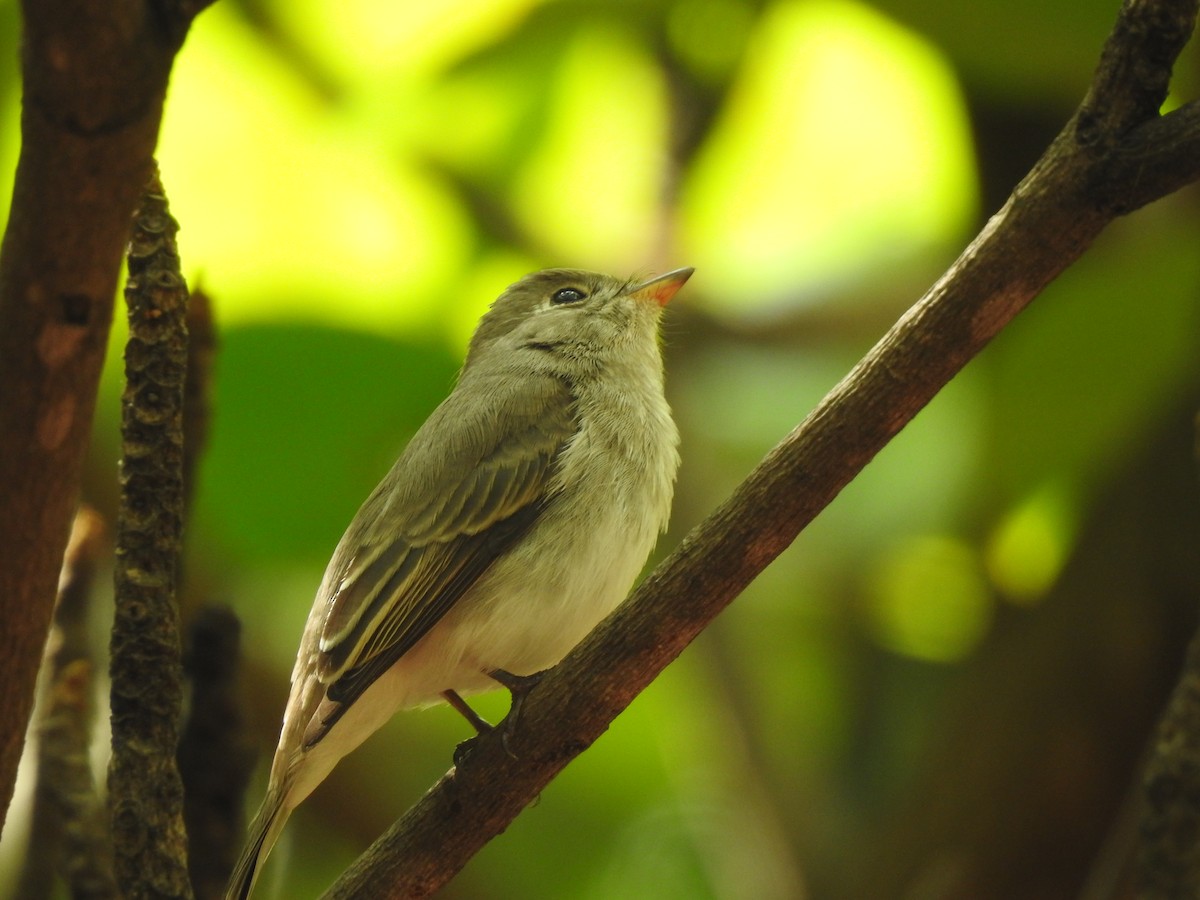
pixel 568 295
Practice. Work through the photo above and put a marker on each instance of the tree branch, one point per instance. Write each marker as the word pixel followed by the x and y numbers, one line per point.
pixel 1167 862
pixel 69 825
pixel 1093 170
pixel 1168 858
pixel 145 790
pixel 94 77
pixel 216 757
pixel 1155 159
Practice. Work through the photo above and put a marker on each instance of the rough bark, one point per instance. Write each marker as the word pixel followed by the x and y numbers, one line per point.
pixel 145 790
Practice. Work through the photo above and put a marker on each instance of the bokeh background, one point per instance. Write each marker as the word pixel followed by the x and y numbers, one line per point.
pixel 943 689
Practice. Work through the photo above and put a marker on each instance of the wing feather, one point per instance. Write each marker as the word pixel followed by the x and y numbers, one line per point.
pixel 399 574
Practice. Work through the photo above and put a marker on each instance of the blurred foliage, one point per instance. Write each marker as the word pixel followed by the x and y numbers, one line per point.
pixel 356 181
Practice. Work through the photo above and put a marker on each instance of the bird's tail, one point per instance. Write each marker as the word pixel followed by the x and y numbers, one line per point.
pixel 263 833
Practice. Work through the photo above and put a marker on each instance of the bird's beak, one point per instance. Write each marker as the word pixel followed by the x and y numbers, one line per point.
pixel 661 288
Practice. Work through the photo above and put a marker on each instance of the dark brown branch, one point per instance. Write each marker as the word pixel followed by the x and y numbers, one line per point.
pixel 69 828
pixel 1134 73
pixel 1155 159
pixel 1052 217
pixel 94 76
pixel 1167 862
pixel 145 791
pixel 85 855
pixel 1168 859
pixel 216 756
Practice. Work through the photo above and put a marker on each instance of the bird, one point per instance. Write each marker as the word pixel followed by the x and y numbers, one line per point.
pixel 517 517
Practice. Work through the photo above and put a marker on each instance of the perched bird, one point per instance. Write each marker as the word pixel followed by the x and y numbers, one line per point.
pixel 516 518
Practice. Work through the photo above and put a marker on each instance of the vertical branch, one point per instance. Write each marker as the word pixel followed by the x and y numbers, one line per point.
pixel 215 757
pixel 145 790
pixel 68 833
pixel 1168 857
pixel 84 855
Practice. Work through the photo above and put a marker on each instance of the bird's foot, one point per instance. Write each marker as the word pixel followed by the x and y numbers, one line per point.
pixel 518 686
pixel 478 722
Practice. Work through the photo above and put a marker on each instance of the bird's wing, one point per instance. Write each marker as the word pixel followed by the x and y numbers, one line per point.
pixel 470 483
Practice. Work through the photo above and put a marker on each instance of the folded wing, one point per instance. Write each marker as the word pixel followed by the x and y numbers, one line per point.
pixel 418 545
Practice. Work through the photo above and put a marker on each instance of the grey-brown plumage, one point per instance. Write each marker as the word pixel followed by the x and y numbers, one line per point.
pixel 516 518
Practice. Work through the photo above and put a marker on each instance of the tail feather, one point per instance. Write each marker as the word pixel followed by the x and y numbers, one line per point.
pixel 263 833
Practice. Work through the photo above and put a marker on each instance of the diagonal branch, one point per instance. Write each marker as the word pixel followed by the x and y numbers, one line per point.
pixel 94 76
pixel 1097 168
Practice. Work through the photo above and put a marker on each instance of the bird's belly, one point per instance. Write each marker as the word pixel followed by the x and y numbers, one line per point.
pixel 532 607
pixel 527 611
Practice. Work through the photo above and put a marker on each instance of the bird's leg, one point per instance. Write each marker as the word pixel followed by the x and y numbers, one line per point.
pixel 478 722
pixel 518 686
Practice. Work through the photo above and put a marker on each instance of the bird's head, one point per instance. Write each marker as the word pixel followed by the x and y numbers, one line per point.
pixel 574 313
